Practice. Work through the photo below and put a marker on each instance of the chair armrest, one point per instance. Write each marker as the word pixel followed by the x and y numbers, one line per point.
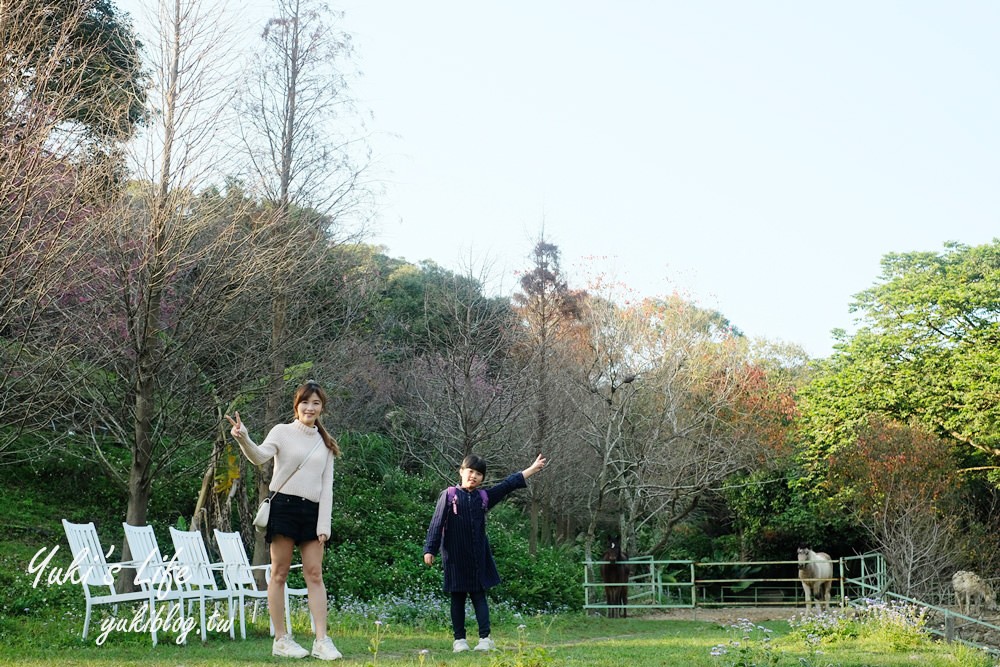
pixel 240 566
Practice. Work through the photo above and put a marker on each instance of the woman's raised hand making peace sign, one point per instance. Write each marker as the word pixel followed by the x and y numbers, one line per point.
pixel 239 430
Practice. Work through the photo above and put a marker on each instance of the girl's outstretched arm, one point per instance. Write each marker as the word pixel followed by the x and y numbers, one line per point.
pixel 534 467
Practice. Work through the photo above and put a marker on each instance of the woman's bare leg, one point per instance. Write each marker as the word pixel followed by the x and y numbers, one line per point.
pixel 281 562
pixel 312 571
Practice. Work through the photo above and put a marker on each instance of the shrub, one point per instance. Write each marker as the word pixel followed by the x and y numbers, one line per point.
pixel 896 624
pixel 380 518
pixel 548 581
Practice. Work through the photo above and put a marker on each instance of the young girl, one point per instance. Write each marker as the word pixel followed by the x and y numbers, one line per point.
pixel 458 531
pixel 300 512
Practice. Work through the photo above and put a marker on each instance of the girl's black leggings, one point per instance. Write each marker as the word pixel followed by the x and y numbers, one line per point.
pixel 458 613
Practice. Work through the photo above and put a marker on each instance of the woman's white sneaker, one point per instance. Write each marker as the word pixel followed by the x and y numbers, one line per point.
pixel 286 647
pixel 460 645
pixel 325 650
pixel 485 644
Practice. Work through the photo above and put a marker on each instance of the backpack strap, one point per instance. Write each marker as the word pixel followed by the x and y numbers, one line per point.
pixel 451 498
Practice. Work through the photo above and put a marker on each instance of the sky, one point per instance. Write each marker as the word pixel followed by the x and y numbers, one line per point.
pixel 759 157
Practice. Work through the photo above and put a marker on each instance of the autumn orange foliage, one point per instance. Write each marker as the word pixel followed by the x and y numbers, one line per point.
pixel 895 464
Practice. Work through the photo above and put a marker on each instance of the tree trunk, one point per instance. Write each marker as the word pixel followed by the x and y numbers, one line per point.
pixel 204 493
pixel 272 415
pixel 140 483
pixel 533 533
pixel 541 434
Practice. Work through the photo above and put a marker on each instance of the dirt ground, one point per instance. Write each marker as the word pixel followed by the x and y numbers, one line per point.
pixel 727 615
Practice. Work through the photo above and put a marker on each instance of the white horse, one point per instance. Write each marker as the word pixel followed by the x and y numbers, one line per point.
pixel 816 575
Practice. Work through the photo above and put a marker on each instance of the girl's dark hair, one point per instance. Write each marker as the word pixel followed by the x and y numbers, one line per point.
pixel 475 462
pixel 305 392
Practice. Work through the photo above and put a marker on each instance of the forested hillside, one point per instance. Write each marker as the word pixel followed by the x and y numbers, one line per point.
pixel 154 279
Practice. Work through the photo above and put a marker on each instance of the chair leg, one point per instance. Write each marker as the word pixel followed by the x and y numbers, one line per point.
pixel 231 612
pixel 152 615
pixel 243 617
pixel 179 605
pixel 288 613
pixel 86 620
pixel 204 631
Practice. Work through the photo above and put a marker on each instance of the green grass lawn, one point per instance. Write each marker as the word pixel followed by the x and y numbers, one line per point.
pixel 572 639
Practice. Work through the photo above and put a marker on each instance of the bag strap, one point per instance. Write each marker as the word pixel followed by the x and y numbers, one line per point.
pixel 318 443
pixel 452 499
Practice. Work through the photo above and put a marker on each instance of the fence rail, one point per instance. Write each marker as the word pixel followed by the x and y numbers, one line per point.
pixel 873 582
pixel 685 584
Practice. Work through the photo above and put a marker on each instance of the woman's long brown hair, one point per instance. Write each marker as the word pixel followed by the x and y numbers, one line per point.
pixel 305 392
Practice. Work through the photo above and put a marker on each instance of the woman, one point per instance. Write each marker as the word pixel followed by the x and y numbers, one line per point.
pixel 303 452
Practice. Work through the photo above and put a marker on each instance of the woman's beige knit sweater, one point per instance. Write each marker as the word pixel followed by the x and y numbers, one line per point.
pixel 289 444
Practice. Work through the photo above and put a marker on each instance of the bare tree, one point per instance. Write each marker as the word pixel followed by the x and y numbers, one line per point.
pixel 603 394
pixel 298 122
pixel 902 483
pixel 305 156
pixel 700 431
pixel 920 546
pixel 174 270
pixel 461 392
pixel 656 396
pixel 66 105
pixel 548 311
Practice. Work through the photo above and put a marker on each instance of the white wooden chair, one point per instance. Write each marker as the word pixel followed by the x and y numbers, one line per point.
pixel 191 554
pixel 97 576
pixel 239 576
pixel 155 576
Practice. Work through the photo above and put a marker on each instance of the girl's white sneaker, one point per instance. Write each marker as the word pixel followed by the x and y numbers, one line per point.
pixel 460 645
pixel 485 644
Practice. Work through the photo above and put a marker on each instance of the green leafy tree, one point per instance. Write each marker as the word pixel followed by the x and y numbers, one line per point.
pixel 923 365
pixel 927 350
pixel 411 313
pixel 938 318
pixel 79 60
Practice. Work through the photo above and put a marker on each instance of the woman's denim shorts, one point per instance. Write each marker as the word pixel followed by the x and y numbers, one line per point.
pixel 293 517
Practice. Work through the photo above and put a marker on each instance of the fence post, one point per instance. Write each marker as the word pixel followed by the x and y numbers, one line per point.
pixel 843 593
pixel 694 589
pixel 949 626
